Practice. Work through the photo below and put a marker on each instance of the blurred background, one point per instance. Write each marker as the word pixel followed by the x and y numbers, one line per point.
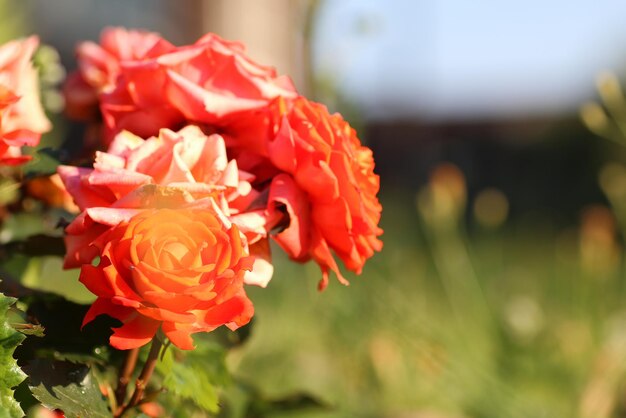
pixel 501 290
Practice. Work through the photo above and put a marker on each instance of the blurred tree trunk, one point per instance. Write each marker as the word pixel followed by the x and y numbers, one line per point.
pixel 276 32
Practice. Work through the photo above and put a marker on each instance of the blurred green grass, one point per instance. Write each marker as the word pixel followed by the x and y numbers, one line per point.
pixel 506 322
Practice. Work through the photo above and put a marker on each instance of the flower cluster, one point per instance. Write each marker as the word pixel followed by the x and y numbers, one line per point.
pixel 208 156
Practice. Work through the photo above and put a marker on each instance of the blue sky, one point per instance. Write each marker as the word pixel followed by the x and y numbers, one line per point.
pixel 462 58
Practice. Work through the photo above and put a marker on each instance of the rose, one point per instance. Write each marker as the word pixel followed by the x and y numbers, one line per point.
pixel 180 271
pixel 163 86
pixel 99 73
pixel 326 161
pixel 214 79
pixel 175 169
pixel 22 119
pixel 209 82
pixel 99 66
pixel 327 189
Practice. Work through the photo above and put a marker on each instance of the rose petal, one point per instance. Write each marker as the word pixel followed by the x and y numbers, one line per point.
pixel 135 333
pixel 262 270
pixel 285 195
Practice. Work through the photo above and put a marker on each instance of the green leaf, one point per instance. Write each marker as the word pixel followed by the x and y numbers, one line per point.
pixel 9 191
pixel 44 163
pixel 30 329
pixel 10 373
pixel 67 386
pixel 20 225
pixel 196 375
pixel 47 274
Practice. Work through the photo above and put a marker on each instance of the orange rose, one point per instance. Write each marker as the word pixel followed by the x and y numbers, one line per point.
pixel 174 170
pixel 180 271
pixel 328 187
pixel 22 119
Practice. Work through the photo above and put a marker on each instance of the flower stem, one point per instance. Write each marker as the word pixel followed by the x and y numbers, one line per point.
pixel 126 372
pixel 144 377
